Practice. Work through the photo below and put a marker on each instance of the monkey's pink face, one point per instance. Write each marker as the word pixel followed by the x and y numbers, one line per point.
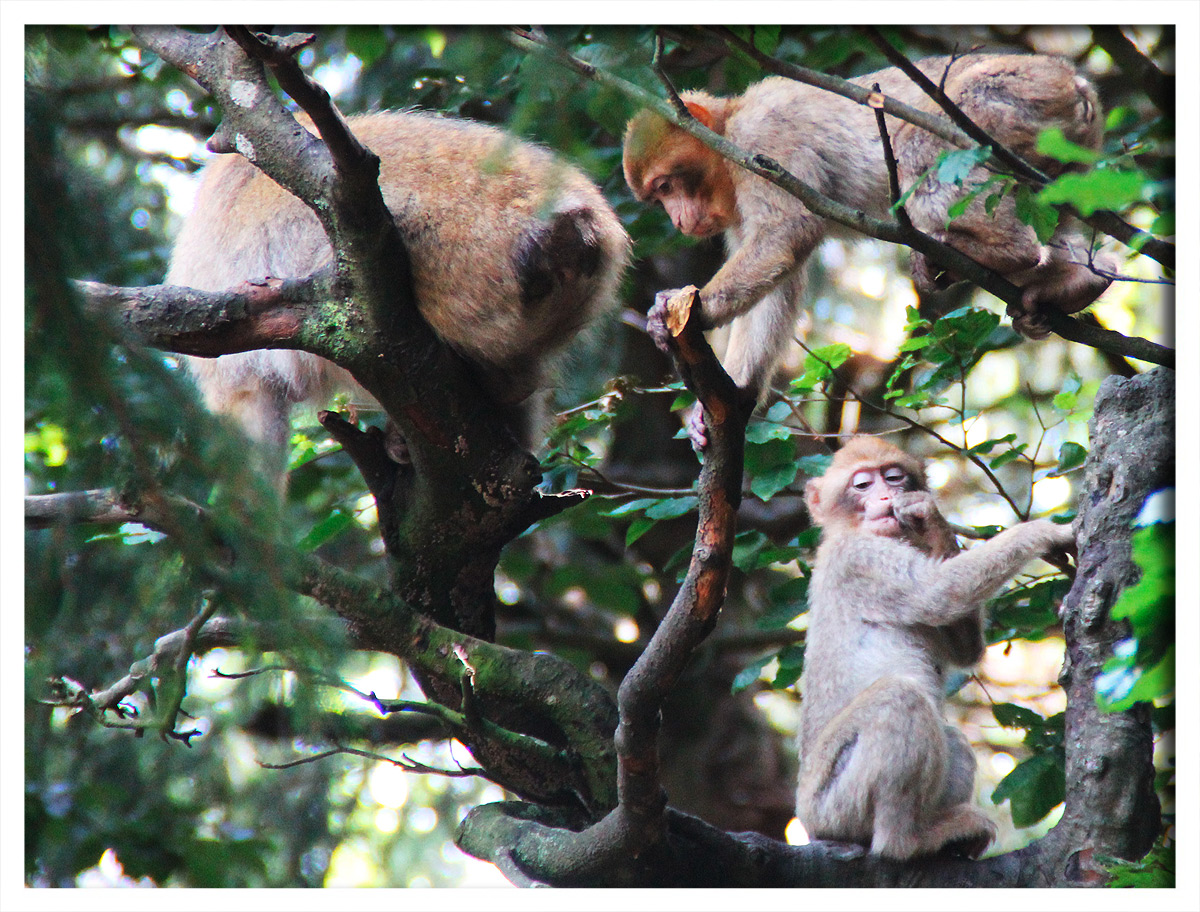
pixel 692 211
pixel 874 490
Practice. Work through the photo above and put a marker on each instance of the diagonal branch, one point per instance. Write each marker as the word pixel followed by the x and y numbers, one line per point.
pixel 639 822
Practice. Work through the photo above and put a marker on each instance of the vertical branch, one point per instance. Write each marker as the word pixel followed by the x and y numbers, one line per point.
pixel 1111 807
pixel 889 157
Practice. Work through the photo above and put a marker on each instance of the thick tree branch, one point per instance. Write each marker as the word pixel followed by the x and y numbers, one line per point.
pixel 1111 805
pixel 274 313
pixel 1158 86
pixel 950 258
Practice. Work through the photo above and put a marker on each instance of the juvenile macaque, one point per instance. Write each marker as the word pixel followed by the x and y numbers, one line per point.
pixel 833 145
pixel 1013 99
pixel 513 252
pixel 893 605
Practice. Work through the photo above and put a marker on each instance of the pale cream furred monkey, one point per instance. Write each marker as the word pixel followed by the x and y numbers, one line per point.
pixel 513 251
pixel 893 605
pixel 833 144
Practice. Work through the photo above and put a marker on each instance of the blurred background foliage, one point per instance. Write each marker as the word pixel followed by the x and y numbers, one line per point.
pixel 112 138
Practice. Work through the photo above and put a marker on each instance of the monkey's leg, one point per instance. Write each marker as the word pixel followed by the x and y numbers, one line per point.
pixel 876 769
pixel 945 822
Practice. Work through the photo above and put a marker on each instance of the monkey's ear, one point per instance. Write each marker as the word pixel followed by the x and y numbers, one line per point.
pixel 701 113
pixel 812 500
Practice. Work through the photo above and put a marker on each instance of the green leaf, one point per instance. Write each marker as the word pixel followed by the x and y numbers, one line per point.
pixel 988 445
pixel 834 355
pixel 1036 212
pixel 916 344
pixel 1095 190
pixel 1005 458
pixel 791 665
pixel 762 431
pixel 1070 456
pixel 330 527
pixel 956 165
pixel 766 38
pixel 1026 612
pixel 766 484
pixel 814 466
pixel 1157 869
pixel 1034 788
pixel 1053 142
pixel 746 549
pixel 632 506
pixel 1142 668
pixel 637 529
pixel 1149 604
pixel 1123 682
pixel 672 507
pixel 1010 715
pixel 682 401
pixel 788 601
pixel 771 466
pixel 750 674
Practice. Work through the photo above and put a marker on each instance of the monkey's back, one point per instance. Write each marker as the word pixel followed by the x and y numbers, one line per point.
pixel 513 250
pixel 531 197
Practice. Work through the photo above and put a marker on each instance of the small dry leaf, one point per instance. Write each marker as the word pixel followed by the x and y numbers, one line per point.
pixel 679 307
pixel 876 100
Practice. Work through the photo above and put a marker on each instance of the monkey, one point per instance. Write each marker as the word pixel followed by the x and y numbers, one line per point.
pixel 513 252
pixel 1014 99
pixel 893 604
pixel 833 144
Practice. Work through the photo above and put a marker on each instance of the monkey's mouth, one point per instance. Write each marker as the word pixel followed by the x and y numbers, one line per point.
pixel 887 524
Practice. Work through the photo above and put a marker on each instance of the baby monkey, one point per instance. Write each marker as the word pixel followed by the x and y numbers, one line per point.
pixel 892 605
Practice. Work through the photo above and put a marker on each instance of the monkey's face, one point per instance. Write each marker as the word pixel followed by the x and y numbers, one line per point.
pixel 694 186
pixel 872 491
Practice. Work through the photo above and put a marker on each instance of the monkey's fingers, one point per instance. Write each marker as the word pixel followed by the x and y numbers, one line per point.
pixel 1028 320
pixel 697 430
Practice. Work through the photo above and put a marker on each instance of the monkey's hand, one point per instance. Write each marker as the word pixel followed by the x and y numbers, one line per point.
pixel 923 525
pixel 1070 281
pixel 669 313
pixel 660 321
pixel 1060 539
pixel 697 430
pixel 916 511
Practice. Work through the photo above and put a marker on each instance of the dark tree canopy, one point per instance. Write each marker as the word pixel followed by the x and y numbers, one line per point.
pixel 576 666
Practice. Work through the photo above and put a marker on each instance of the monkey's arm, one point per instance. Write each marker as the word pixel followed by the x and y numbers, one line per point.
pixel 774 236
pixel 911 588
pixel 755 268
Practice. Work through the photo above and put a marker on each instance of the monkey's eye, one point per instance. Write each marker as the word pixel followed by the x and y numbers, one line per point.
pixel 861 481
pixel 895 476
pixel 662 188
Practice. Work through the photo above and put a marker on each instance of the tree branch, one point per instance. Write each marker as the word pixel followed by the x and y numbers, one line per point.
pixel 274 313
pixel 638 823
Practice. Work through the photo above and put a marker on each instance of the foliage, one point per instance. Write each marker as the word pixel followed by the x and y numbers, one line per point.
pixel 1142 669
pixel 1157 869
pixel 1036 785
pixel 589 584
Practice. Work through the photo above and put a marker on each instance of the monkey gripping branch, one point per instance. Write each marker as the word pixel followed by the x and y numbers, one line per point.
pixel 592 810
